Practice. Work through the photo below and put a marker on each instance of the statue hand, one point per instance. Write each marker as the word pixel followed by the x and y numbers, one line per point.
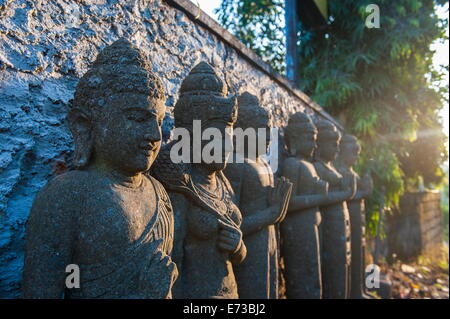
pixel 367 183
pixel 279 197
pixel 158 277
pixel 350 186
pixel 321 187
pixel 230 237
pixel 354 186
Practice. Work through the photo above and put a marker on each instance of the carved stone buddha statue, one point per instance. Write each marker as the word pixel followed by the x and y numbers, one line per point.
pixel 335 227
pixel 348 156
pixel 262 203
pixel 208 240
pixel 105 216
pixel 299 231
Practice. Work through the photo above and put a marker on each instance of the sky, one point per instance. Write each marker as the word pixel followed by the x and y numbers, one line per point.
pixel 441 56
pixel 208 5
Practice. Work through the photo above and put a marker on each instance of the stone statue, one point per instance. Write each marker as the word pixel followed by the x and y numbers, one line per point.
pixel 348 156
pixel 208 239
pixel 335 227
pixel 262 205
pixel 299 231
pixel 105 216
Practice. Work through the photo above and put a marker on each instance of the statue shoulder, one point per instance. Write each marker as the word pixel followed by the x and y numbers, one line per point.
pixel 293 165
pixel 320 168
pixel 307 169
pixel 235 174
pixel 67 186
pixel 160 191
pixel 290 164
pixel 346 172
pixel 60 200
pixel 226 183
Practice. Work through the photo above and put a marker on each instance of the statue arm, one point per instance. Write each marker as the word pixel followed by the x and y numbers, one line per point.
pixel 301 202
pixel 256 220
pixel 365 187
pixel 180 205
pixel 253 220
pixel 296 172
pixel 49 243
pixel 360 194
pixel 275 203
pixel 235 174
pixel 239 255
pixel 335 197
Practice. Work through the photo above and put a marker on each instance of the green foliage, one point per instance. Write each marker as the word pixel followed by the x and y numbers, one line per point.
pixel 380 83
pixel 259 25
pixel 444 206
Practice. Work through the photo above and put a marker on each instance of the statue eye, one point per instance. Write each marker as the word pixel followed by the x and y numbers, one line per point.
pixel 137 115
pixel 136 118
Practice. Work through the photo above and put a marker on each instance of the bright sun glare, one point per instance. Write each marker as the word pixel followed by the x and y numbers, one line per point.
pixel 441 56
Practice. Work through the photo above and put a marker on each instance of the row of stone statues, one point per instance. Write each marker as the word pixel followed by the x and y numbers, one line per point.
pixel 139 225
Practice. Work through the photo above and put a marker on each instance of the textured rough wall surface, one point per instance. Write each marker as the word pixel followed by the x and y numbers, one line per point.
pixel 46 46
pixel 431 220
pixel 416 229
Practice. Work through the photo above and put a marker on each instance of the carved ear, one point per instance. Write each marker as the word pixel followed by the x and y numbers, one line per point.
pixel 291 146
pixel 235 111
pixel 81 128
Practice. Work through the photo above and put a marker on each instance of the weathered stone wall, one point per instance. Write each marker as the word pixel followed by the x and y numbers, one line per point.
pixel 46 46
pixel 416 229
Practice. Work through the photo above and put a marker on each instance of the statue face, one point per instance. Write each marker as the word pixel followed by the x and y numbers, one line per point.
pixel 350 153
pixel 329 149
pixel 225 143
pixel 128 133
pixel 305 143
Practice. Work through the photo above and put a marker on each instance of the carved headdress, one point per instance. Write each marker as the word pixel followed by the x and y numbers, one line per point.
pixel 251 113
pixel 203 97
pixel 118 68
pixel 300 122
pixel 350 140
pixel 349 151
pixel 327 131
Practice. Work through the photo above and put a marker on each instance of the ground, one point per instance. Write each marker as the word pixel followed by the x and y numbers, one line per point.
pixel 425 278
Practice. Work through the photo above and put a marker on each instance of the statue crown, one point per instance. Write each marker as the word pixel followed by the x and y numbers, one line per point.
pixel 327 131
pixel 203 97
pixel 300 122
pixel 120 67
pixel 251 113
pixel 203 80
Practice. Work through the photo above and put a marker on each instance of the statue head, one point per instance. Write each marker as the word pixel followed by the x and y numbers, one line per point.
pixel 349 150
pixel 301 135
pixel 117 111
pixel 203 98
pixel 253 116
pixel 328 138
